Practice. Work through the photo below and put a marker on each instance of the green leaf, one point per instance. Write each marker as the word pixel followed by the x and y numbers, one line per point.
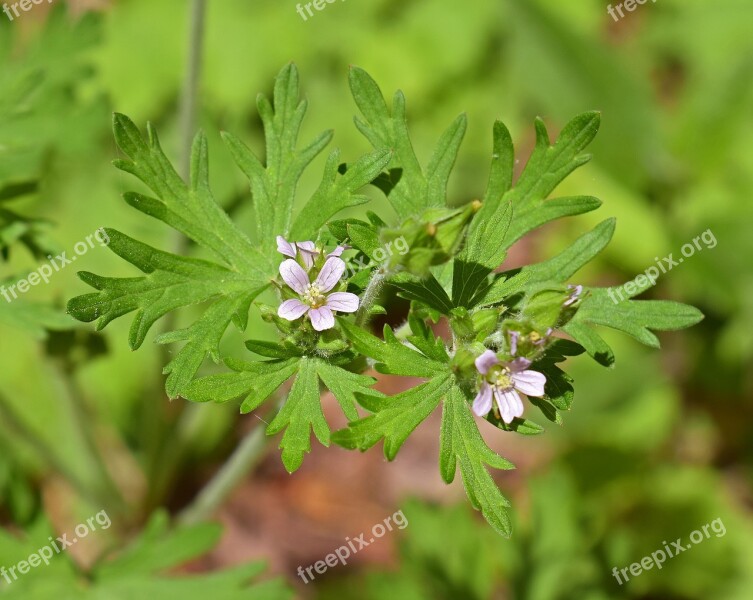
pixel 521 426
pixel 273 185
pixel 43 113
pixel 301 412
pixel 426 290
pixel 543 307
pixel 556 270
pixel 136 570
pixel 365 238
pixel 483 251
pixel 159 547
pixel 559 389
pixel 503 163
pixel 396 419
pixel 443 160
pixel 461 442
pixel 423 338
pixel 414 190
pixel 393 357
pixel 28 232
pixel 191 209
pixel 347 387
pixel 171 281
pixel 273 350
pixel 508 213
pixel 596 347
pixel 635 317
pixel 336 192
pixel 254 381
pixel 545 169
pixel 232 584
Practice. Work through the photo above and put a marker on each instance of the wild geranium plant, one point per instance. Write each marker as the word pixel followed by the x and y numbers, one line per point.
pixel 498 364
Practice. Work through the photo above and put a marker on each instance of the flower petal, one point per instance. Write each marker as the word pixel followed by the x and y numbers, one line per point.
pixel 322 318
pixel 510 404
pixel 292 309
pixel 285 247
pixel 531 383
pixel 516 403
pixel 576 291
pixel 342 301
pixel 330 274
pixel 514 335
pixel 308 253
pixel 504 407
pixel 293 274
pixel 486 361
pixel 519 364
pixel 339 250
pixel 483 402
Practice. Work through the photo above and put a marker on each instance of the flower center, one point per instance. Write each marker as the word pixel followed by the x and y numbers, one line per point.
pixel 313 296
pixel 500 377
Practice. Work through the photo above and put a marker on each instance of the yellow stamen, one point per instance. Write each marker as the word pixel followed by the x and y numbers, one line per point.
pixel 314 297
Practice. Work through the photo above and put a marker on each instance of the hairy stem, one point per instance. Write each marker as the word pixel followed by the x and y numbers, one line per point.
pixel 370 295
pixel 188 105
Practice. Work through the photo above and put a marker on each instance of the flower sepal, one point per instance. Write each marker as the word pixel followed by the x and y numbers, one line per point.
pixel 462 323
pixel 525 340
pixel 431 239
pixel 269 315
pixel 485 322
pixel 462 362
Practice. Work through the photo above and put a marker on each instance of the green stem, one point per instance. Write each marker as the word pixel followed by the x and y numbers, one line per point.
pixel 214 493
pixel 188 108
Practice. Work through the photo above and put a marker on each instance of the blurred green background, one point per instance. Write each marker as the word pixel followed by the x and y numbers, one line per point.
pixel 653 449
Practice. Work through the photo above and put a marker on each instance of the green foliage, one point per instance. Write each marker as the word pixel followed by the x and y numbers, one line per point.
pixel 137 570
pixel 301 412
pixel 461 443
pixel 409 188
pixel 446 268
pixel 172 281
pixel 634 317
pixel 33 317
pixel 672 159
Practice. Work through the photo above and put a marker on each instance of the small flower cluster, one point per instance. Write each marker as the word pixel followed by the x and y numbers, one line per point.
pixel 313 299
pixel 505 381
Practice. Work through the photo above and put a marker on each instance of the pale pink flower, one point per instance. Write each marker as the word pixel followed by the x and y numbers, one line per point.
pixel 314 300
pixel 576 291
pixel 339 250
pixel 514 337
pixel 291 249
pixel 503 381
